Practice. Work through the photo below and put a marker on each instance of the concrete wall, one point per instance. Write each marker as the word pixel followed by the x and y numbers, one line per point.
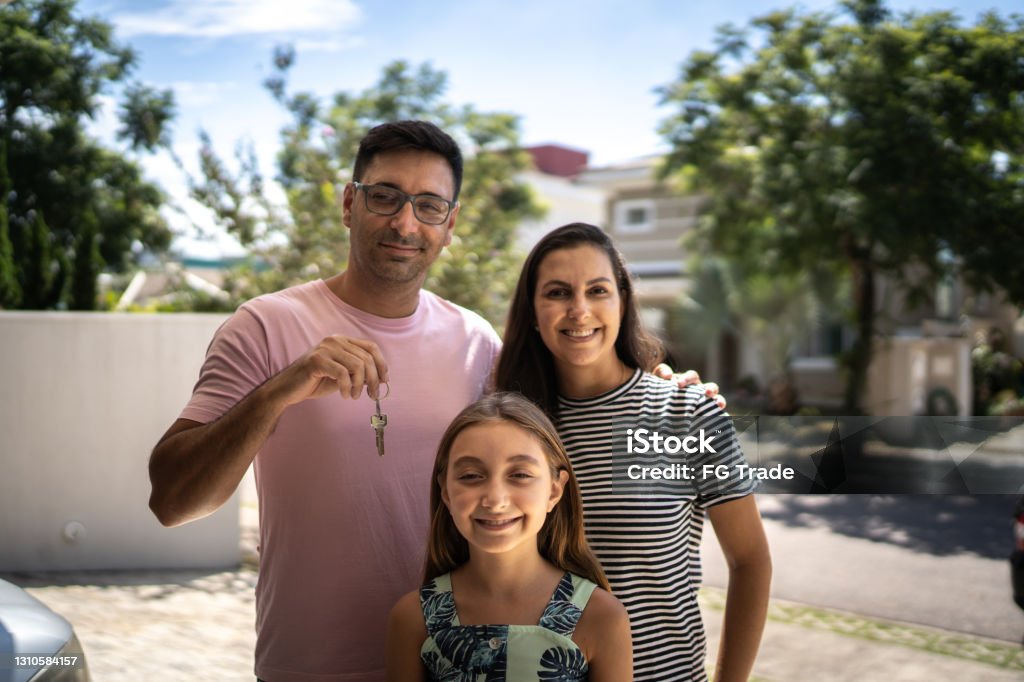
pixel 566 202
pixel 83 399
pixel 903 372
pixel 819 382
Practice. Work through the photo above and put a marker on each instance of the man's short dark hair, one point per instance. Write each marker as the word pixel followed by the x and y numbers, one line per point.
pixel 415 135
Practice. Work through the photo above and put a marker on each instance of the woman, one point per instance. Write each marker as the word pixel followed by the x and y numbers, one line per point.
pixel 574 344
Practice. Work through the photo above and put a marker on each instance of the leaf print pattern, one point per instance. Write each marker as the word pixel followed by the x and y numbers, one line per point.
pixel 562 665
pixel 441 668
pixel 457 653
pixel 565 590
pixel 438 607
pixel 561 615
pixel 469 647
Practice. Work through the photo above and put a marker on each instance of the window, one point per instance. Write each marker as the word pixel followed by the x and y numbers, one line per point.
pixel 634 216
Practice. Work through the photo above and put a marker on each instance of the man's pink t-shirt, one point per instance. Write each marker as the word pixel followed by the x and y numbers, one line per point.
pixel 342 530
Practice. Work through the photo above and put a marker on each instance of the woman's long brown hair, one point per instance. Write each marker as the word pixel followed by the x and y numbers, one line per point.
pixel 561 540
pixel 526 365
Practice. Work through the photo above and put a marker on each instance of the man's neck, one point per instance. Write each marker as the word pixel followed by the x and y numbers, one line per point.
pixel 387 300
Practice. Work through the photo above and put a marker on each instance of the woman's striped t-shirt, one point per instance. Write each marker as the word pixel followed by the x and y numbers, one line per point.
pixel 649 542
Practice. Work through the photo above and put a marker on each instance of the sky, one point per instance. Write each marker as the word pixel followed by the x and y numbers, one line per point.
pixel 578 73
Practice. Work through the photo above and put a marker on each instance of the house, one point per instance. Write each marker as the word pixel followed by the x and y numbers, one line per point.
pixel 648 222
pixel 922 350
pixel 556 184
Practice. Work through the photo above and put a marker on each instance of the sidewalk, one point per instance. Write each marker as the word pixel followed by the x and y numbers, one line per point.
pixel 808 643
pixel 162 626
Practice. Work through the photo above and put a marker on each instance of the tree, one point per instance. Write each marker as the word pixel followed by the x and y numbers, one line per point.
pixel 40 281
pixel 854 149
pixel 725 298
pixel 86 266
pixel 53 68
pixel 10 291
pixel 308 239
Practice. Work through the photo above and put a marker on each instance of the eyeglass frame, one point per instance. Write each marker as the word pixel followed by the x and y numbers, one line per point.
pixel 406 198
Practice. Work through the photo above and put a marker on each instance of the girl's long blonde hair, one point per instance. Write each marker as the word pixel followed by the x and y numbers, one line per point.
pixel 561 540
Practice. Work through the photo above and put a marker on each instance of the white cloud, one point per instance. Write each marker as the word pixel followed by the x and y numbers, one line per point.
pixel 198 94
pixel 222 18
pixel 328 44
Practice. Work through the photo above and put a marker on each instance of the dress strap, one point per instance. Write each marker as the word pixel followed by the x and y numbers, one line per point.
pixel 582 589
pixel 566 606
pixel 438 604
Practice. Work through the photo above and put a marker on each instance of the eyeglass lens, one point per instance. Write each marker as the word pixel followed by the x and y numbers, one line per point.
pixel 388 201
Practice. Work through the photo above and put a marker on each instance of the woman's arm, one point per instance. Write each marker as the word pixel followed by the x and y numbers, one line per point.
pixel 406 634
pixel 603 635
pixel 737 524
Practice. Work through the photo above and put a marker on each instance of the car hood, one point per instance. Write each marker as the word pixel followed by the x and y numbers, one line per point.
pixel 27 625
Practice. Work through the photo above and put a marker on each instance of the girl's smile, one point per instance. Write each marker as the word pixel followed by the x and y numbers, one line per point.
pixel 497 524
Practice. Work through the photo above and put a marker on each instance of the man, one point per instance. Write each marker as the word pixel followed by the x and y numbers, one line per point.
pixel 342 528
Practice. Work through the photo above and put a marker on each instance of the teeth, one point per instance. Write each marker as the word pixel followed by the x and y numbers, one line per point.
pixel 492 522
pixel 580 334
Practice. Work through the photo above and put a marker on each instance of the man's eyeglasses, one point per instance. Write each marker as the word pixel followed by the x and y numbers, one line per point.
pixel 384 200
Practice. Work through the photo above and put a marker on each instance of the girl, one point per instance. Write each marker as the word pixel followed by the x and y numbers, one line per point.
pixel 511 587
pixel 574 345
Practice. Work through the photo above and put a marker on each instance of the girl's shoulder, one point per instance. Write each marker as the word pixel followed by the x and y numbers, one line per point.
pixel 406 634
pixel 409 603
pixel 599 605
pixel 406 618
pixel 421 604
pixel 604 606
pixel 603 630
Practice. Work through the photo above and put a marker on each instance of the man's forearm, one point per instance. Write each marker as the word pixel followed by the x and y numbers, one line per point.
pixel 196 470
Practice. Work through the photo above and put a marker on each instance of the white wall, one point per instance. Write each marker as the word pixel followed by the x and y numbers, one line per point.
pixel 566 202
pixel 905 370
pixel 83 399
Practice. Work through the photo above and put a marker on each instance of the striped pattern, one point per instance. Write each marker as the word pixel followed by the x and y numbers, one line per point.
pixel 649 545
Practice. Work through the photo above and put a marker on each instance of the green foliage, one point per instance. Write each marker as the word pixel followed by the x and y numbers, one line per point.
pixel 86 266
pixel 146 115
pixel 998 377
pixel 726 297
pixel 10 291
pixel 41 282
pixel 852 149
pixel 308 239
pixel 185 300
pixel 54 66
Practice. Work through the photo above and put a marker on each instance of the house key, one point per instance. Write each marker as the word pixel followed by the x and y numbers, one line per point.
pixel 378 421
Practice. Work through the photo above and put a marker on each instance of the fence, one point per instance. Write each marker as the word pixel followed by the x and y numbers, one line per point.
pixel 85 397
